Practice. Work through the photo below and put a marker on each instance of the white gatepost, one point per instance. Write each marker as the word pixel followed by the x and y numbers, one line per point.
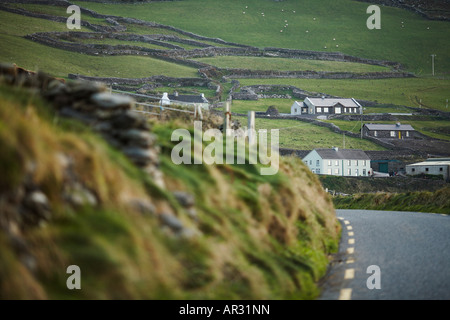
pixel 251 127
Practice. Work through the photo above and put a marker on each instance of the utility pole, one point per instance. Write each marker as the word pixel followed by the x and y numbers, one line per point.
pixel 432 63
pixel 361 122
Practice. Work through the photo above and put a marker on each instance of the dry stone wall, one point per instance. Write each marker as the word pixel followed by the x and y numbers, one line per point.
pixel 109 115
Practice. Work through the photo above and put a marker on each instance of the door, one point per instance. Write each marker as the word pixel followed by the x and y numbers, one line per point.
pixel 383 167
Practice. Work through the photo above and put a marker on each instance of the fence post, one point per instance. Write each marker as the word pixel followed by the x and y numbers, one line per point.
pixel 227 118
pixel 251 127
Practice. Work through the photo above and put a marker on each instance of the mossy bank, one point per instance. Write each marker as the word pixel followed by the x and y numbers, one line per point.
pixel 67 197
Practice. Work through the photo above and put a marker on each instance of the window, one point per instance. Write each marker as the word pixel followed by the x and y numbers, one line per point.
pixel 364 163
pixel 329 163
pixel 407 134
pixel 375 133
pixel 349 172
pixel 319 110
pixel 413 169
pixel 393 134
pixel 426 169
pixel 336 171
pixel 317 163
pixel 338 110
pixel 441 169
pixel 318 171
pixel 357 172
pixel 336 163
pixel 349 162
pixel 355 162
pixel 364 172
pixel 310 162
pixel 325 110
pixel 329 171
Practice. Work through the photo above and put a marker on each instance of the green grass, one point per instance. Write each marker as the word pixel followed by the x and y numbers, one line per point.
pixel 343 20
pixel 305 136
pixel 423 201
pixel 243 106
pixel 259 237
pixel 285 64
pixel 34 56
pixel 58 11
pixel 407 92
pixel 436 128
pixel 115 42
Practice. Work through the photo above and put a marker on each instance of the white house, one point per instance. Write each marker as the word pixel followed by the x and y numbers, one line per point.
pixel 184 100
pixel 298 108
pixel 326 106
pixel 433 166
pixel 338 162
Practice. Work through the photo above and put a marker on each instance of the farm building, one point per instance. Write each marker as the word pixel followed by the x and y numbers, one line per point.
pixel 338 162
pixel 326 106
pixel 390 131
pixel 184 100
pixel 433 166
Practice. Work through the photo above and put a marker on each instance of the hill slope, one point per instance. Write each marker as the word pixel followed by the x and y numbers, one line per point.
pixel 214 232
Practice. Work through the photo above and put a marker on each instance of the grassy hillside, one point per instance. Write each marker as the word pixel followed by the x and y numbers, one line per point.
pixel 250 236
pixel 34 56
pixel 284 64
pixel 407 92
pixel 325 20
pixel 306 136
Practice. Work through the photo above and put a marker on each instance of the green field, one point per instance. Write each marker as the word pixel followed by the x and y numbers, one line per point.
pixel 241 106
pixel 408 92
pixel 34 56
pixel 285 64
pixel 337 25
pixel 305 136
pixel 342 20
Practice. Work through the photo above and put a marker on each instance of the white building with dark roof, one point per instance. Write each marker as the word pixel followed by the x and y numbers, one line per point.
pixel 338 162
pixel 328 106
pixel 184 100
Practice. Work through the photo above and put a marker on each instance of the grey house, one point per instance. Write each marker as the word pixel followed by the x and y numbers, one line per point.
pixel 390 131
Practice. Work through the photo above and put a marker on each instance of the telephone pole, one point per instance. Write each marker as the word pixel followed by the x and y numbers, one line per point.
pixel 432 63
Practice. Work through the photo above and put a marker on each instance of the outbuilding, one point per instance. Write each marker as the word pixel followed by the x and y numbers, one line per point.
pixel 432 166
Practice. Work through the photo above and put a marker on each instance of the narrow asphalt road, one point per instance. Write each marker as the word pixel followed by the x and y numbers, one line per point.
pixel 386 255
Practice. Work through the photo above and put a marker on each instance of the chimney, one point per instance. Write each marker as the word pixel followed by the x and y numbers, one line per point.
pixel 336 149
pixel 398 124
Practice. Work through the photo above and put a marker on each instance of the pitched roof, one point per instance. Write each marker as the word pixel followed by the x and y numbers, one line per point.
pixel 298 104
pixel 188 98
pixel 330 102
pixel 389 127
pixel 344 154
